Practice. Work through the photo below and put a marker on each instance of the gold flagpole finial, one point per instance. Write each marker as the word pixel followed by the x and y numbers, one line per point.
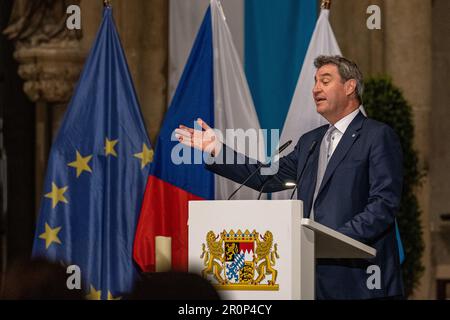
pixel 326 4
pixel 106 3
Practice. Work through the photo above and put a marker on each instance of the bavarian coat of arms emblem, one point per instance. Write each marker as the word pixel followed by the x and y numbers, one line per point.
pixel 240 260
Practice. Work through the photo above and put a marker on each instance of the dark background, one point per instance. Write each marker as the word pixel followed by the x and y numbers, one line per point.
pixel 18 116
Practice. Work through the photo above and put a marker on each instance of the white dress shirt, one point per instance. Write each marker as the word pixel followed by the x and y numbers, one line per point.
pixel 341 127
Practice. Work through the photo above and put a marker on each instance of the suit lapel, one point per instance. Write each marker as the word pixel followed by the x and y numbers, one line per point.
pixel 309 181
pixel 347 141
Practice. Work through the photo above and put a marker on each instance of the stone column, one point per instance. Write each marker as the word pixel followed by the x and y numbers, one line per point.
pixel 440 135
pixel 408 51
pixel 50 59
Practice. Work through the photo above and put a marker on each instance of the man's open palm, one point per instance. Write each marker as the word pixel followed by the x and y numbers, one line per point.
pixel 205 139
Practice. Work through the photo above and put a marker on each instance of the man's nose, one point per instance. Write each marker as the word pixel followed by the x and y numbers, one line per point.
pixel 317 88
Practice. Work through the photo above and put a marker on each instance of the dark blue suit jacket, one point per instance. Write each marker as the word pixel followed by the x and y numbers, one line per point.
pixel 359 197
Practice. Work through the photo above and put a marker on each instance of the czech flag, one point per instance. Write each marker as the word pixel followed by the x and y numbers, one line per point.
pixel 213 87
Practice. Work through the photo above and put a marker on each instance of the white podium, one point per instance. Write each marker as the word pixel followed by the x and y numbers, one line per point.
pixel 257 250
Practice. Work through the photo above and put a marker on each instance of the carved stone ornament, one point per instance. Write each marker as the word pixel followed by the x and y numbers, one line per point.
pixel 49 54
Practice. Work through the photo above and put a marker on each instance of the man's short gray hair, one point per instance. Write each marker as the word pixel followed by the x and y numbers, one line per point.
pixel 347 70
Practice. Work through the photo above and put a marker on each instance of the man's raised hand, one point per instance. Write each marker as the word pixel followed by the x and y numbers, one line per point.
pixel 205 139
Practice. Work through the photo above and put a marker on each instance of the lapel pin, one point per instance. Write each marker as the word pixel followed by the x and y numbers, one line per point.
pixel 354 135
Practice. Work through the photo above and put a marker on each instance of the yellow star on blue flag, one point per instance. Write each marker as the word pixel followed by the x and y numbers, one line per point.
pixel 50 235
pixel 57 195
pixel 81 164
pixel 94 294
pixel 109 147
pixel 146 156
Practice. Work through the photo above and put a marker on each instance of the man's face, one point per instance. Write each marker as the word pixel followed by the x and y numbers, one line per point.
pixel 329 91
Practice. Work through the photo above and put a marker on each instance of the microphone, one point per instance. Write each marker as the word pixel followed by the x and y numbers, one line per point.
pixel 265 183
pixel 280 149
pixel 311 149
pixel 284 146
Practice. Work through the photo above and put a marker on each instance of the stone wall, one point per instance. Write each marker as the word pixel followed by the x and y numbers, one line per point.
pixel 440 134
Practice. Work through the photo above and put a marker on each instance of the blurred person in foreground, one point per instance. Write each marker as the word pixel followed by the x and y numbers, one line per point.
pixel 38 280
pixel 173 286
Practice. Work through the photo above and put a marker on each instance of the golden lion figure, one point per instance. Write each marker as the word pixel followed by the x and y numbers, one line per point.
pixel 267 257
pixel 213 257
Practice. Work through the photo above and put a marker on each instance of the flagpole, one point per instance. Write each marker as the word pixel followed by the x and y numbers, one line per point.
pixel 326 4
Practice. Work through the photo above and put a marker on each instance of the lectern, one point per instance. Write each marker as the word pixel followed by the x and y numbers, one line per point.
pixel 262 249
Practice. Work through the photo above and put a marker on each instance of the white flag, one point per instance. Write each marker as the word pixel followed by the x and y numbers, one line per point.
pixel 302 116
pixel 233 105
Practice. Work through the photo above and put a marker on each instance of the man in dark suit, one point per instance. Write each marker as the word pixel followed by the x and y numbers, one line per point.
pixel 352 181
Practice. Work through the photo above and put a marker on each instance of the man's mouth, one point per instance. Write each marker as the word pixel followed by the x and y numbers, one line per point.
pixel 320 99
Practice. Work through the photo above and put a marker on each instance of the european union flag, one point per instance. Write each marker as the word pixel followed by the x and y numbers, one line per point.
pixel 96 175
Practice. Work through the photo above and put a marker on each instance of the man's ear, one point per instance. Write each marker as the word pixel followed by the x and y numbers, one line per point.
pixel 350 87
